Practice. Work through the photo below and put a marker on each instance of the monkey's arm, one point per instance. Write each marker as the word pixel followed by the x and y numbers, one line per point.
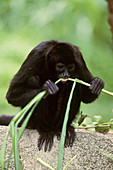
pixel 21 94
pixel 89 94
pixel 5 119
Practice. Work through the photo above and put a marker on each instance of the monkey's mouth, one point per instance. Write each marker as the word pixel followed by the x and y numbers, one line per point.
pixel 64 80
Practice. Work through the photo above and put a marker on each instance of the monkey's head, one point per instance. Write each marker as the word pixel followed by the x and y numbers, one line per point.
pixel 61 61
pixel 57 59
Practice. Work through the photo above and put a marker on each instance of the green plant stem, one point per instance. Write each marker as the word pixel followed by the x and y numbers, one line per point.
pixel 63 134
pixel 15 121
pixel 29 115
pixel 2 151
pixel 14 124
pixel 15 146
pixel 87 84
pixel 89 127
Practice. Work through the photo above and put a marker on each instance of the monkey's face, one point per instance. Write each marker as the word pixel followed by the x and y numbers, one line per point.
pixel 64 70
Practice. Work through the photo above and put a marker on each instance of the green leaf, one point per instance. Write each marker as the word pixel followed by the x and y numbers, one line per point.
pixel 102 128
pixel 87 121
pixel 108 155
pixel 81 119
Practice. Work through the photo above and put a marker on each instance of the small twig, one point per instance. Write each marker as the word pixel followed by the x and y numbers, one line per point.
pixel 44 163
pixel 92 127
pixel 69 162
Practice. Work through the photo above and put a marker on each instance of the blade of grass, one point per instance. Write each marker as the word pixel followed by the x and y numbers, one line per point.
pixel 69 162
pixel 14 146
pixel 60 156
pixel 40 96
pixel 13 128
pixel 21 114
pixel 44 163
pixel 27 107
pixel 14 125
pixel 35 99
pixel 9 158
pixel 2 151
pixel 16 150
pixel 107 155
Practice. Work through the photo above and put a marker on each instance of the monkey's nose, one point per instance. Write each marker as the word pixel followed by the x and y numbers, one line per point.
pixel 65 75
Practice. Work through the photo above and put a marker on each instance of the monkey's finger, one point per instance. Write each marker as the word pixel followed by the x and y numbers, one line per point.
pixel 40 146
pixel 47 87
pixel 58 136
pixel 99 88
pixel 93 84
pixel 71 136
pixel 99 91
pixel 96 86
pixel 67 140
pixel 50 144
pixel 50 87
pixel 40 143
pixel 71 142
pixel 46 144
pixel 53 87
pixel 72 139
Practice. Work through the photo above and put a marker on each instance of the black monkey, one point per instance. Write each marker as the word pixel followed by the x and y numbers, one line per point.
pixel 45 64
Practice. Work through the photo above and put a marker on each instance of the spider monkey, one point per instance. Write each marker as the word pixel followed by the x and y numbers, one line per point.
pixel 45 64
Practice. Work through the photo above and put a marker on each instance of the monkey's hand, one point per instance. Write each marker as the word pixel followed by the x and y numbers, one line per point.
pixel 50 87
pixel 96 86
pixel 46 138
pixel 70 137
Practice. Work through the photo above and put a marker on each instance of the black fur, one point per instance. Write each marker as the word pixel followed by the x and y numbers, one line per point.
pixel 39 72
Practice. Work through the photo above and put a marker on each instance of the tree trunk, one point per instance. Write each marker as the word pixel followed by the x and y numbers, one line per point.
pixel 110 7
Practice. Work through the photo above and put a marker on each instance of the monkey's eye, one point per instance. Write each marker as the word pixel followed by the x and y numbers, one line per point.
pixel 71 67
pixel 60 67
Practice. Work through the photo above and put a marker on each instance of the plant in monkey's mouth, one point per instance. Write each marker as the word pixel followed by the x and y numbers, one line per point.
pixel 64 80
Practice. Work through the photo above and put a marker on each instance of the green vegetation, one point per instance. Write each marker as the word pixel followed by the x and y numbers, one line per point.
pixel 16 134
pixel 24 24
